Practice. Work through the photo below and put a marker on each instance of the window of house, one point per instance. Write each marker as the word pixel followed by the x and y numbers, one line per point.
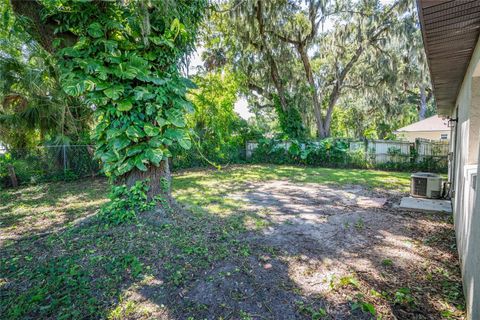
pixel 443 136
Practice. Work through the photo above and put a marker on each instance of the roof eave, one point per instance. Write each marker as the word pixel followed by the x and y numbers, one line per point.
pixel 442 110
pixel 444 18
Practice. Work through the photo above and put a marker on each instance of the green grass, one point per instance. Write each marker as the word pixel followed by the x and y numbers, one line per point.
pixel 208 189
pixel 59 260
pixel 388 180
pixel 80 270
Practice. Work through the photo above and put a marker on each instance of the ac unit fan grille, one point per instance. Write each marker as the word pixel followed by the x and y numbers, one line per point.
pixel 420 187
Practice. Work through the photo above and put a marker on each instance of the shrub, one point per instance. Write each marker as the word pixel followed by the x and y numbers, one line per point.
pixel 336 153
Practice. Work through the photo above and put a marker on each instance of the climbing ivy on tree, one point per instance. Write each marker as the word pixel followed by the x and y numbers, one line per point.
pixel 291 122
pixel 130 76
pixel 139 96
pixel 121 57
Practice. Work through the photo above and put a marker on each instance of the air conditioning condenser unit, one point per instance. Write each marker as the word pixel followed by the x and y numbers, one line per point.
pixel 426 185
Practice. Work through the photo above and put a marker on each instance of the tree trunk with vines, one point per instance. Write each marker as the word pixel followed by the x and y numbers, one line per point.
pixel 159 178
pixel 159 181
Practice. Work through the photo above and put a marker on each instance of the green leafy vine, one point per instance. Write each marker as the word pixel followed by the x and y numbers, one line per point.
pixel 123 63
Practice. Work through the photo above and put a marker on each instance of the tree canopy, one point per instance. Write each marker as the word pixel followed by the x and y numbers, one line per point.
pixel 317 56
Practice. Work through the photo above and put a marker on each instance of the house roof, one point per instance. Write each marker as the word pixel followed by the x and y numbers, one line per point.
pixel 434 123
pixel 450 32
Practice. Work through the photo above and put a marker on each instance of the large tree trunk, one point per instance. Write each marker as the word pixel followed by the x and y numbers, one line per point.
pixel 337 89
pixel 12 175
pixel 332 101
pixel 423 103
pixel 277 82
pixel 159 181
pixel 317 108
pixel 42 31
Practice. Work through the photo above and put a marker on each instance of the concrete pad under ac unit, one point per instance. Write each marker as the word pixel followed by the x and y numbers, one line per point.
pixel 425 205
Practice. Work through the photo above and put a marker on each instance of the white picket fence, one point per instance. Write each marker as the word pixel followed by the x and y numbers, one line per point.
pixel 381 151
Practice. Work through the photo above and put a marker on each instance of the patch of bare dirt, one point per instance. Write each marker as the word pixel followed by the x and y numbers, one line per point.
pixel 331 252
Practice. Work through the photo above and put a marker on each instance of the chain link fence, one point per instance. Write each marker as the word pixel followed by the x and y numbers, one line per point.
pixel 49 163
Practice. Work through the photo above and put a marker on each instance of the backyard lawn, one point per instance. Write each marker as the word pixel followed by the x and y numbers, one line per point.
pixel 252 242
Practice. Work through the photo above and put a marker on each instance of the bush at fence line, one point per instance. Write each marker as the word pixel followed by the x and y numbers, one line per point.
pixel 48 164
pixel 26 170
pixel 433 164
pixel 358 159
pixel 413 163
pixel 215 148
pixel 228 153
pixel 333 152
pixel 429 164
pixel 272 151
pixel 396 166
pixel 327 152
pixel 5 160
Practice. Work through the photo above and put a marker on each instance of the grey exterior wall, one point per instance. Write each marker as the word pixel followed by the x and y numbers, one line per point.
pixel 471 262
pixel 466 200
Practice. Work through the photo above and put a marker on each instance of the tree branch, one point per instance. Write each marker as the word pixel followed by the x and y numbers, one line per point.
pixel 42 31
pixel 260 90
pixel 273 64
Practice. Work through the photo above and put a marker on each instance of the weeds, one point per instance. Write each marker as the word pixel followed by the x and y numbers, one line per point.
pixel 403 296
pixel 360 224
pixel 387 262
pixel 310 311
pixel 349 280
pixel 360 304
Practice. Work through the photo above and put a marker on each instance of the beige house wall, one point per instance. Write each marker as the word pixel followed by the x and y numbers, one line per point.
pixel 430 135
pixel 466 200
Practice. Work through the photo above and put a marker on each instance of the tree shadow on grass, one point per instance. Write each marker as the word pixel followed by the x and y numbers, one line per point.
pixel 49 206
pixel 203 265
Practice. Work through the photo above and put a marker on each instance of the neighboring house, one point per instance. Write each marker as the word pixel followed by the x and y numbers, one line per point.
pixel 433 128
pixel 450 33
